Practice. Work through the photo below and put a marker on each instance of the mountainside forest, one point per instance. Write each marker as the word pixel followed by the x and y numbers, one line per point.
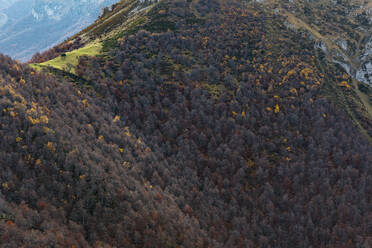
pixel 186 123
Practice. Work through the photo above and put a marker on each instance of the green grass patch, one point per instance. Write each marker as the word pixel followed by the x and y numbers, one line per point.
pixel 70 60
pixel 36 67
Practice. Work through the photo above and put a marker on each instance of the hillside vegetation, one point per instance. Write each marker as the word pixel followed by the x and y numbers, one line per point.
pixel 331 31
pixel 69 60
pixel 204 123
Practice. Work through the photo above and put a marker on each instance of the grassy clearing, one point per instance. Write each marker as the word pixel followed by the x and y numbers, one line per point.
pixel 69 62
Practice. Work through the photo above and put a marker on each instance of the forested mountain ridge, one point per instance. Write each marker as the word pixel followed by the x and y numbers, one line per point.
pixel 339 31
pixel 58 147
pixel 199 123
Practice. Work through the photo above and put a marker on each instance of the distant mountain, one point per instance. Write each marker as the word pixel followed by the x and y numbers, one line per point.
pixel 28 26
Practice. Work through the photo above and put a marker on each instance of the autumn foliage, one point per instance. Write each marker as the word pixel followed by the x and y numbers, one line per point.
pixel 214 132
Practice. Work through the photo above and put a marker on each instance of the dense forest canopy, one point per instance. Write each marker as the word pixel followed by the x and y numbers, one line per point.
pixel 210 125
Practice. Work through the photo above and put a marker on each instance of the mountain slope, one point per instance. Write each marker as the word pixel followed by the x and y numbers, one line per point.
pixel 254 135
pixel 342 31
pixel 120 17
pixel 335 42
pixel 71 172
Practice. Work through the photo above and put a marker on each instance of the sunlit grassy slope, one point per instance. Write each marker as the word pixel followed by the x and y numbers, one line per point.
pixel 69 62
pixel 126 16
